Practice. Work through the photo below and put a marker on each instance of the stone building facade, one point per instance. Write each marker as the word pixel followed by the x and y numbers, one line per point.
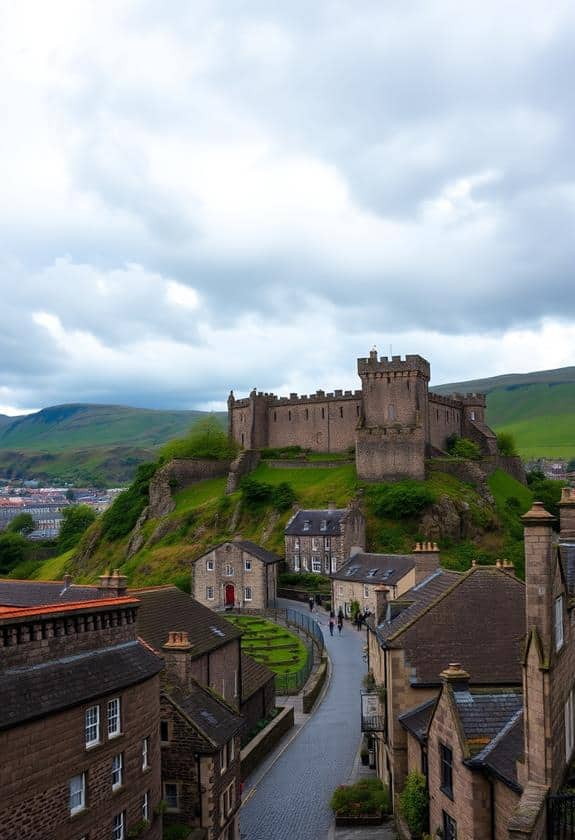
pixel 236 574
pixel 392 423
pixel 79 723
pixel 320 541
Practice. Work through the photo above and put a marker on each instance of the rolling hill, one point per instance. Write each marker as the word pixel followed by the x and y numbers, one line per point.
pixel 537 408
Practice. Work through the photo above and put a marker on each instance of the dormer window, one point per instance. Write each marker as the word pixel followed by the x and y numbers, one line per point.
pixel 323 525
pixel 559 638
pixel 306 524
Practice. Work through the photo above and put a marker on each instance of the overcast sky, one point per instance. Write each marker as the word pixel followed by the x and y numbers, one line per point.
pixel 206 194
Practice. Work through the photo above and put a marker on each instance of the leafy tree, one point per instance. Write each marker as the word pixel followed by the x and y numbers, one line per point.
pixel 506 444
pixel 545 490
pixel 403 500
pixel 535 475
pixel 571 465
pixel 77 519
pixel 206 439
pixel 22 524
pixel 14 549
pixel 414 803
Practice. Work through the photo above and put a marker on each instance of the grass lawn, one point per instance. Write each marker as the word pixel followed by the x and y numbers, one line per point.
pixel 272 645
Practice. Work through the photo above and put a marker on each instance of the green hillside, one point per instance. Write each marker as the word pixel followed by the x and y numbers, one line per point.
pixel 537 408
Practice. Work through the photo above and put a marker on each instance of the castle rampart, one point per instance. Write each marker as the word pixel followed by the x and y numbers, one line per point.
pixel 393 422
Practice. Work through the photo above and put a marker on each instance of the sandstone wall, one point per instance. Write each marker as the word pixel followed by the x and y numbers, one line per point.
pixel 445 419
pixel 176 475
pixel 390 454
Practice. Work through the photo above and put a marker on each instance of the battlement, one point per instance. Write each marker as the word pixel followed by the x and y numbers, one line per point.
pixel 471 399
pixel 450 401
pixel 386 366
pixel 272 400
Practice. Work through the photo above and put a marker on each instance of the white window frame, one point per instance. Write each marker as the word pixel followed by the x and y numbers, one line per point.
pixel 569 728
pixel 365 590
pixel 210 565
pixel 326 564
pixel 146 806
pixel 117 771
pixel 296 563
pixel 304 562
pixel 175 807
pixel 77 789
pixel 209 593
pixel 316 565
pixel 333 563
pixel 247 565
pixel 248 594
pixel 227 801
pixel 92 724
pixel 223 760
pixel 146 752
pixel 119 826
pixel 558 613
pixel 229 571
pixel 296 544
pixel 114 718
pixel 314 543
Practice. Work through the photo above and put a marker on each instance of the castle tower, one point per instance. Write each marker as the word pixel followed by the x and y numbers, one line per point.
pixel 392 439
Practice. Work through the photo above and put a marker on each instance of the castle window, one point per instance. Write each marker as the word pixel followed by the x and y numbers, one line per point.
pixel 391 413
pixel 341 411
pixel 307 414
pixel 275 416
pixel 289 415
pixel 323 414
pixel 446 758
pixel 357 410
pixel 559 639
pixel 472 415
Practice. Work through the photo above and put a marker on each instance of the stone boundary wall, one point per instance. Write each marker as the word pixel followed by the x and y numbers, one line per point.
pixel 245 463
pixel 477 472
pixel 299 463
pixel 176 475
pixel 259 747
pixel 315 685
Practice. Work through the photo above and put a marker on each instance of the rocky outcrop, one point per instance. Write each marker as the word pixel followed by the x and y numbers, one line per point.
pixel 454 520
pixel 177 475
pixel 246 461
pixel 136 537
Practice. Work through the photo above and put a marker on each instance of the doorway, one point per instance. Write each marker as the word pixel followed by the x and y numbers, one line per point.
pixel 230 595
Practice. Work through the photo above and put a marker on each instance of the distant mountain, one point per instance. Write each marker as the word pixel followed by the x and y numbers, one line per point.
pixel 537 408
pixel 83 443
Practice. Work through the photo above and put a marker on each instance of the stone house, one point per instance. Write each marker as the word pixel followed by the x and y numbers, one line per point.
pixel 365 576
pixel 79 723
pixel 236 574
pixel 320 541
pixel 440 620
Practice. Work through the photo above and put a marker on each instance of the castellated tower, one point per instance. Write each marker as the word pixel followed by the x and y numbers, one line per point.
pixel 393 431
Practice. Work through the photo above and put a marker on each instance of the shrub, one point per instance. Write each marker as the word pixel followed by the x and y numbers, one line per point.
pixel 283 496
pixel 256 493
pixel 463 448
pixel 305 580
pixel 123 514
pixel 506 444
pixel 545 490
pixel 14 549
pixel 368 796
pixel 23 523
pixel 406 499
pixel 282 452
pixel 414 803
pixel 77 520
pixel 206 439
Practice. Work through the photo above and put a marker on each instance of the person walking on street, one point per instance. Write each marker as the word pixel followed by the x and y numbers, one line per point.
pixel 331 625
pixel 311 603
pixel 340 623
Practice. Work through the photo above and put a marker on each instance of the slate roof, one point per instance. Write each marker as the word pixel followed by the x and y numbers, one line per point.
pixel 492 724
pixel 567 555
pixel 248 546
pixel 211 716
pixel 28 593
pixel 166 608
pixel 254 676
pixel 417 720
pixel 479 620
pixel 501 755
pixel 34 691
pixel 376 568
pixel 295 526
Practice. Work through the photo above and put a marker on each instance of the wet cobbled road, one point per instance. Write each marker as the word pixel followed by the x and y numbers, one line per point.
pixel 291 801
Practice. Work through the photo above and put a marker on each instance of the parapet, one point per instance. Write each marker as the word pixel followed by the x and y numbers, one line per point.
pixel 471 399
pixel 396 364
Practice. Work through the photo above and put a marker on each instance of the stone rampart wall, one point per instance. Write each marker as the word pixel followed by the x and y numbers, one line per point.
pixel 177 475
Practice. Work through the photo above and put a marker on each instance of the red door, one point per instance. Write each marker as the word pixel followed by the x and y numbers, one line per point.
pixel 230 595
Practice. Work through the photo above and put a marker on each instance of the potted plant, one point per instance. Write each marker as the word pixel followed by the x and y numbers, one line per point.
pixel 363 803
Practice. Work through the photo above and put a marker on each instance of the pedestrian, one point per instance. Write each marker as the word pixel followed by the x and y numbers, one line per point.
pixel 332 613
pixel 340 623
pixel 331 625
pixel 311 603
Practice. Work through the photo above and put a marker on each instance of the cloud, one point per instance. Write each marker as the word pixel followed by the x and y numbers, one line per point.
pixel 225 194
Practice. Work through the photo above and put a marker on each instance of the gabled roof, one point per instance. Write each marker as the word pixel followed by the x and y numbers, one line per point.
pixel 254 676
pixel 166 608
pixel 215 721
pixel 376 568
pixel 484 712
pixel 249 547
pixel 478 620
pixel 33 691
pixel 28 593
pixel 417 720
pixel 504 751
pixel 310 523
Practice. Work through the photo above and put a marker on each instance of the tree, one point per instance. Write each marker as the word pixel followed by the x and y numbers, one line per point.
pixel 506 444
pixel 77 519
pixel 13 550
pixel 23 524
pixel 206 439
pixel 414 803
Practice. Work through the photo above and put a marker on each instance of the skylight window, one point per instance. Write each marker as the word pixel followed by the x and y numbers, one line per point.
pixel 217 632
pixel 306 524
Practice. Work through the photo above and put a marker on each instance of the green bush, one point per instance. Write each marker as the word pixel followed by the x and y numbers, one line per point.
pixel 77 520
pixel 368 796
pixel 256 493
pixel 403 500
pixel 23 524
pixel 206 439
pixel 283 496
pixel 282 452
pixel 545 490
pixel 506 444
pixel 305 580
pixel 122 515
pixel 14 550
pixel 463 448
pixel 414 803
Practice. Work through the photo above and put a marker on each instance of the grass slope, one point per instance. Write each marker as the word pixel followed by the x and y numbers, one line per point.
pixel 204 516
pixel 538 409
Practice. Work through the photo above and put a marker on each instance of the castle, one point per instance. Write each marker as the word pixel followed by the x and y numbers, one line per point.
pixel 394 422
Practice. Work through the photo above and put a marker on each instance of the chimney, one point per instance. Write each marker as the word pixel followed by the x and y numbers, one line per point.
pixel 456 677
pixel 567 513
pixel 509 567
pixel 540 647
pixel 381 595
pixel 355 549
pixel 331 506
pixel 113 585
pixel 426 560
pixel 176 656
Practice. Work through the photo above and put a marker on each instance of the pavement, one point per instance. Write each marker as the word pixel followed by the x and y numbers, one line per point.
pixel 287 797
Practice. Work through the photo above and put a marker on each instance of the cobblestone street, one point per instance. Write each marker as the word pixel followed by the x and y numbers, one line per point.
pixel 290 800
